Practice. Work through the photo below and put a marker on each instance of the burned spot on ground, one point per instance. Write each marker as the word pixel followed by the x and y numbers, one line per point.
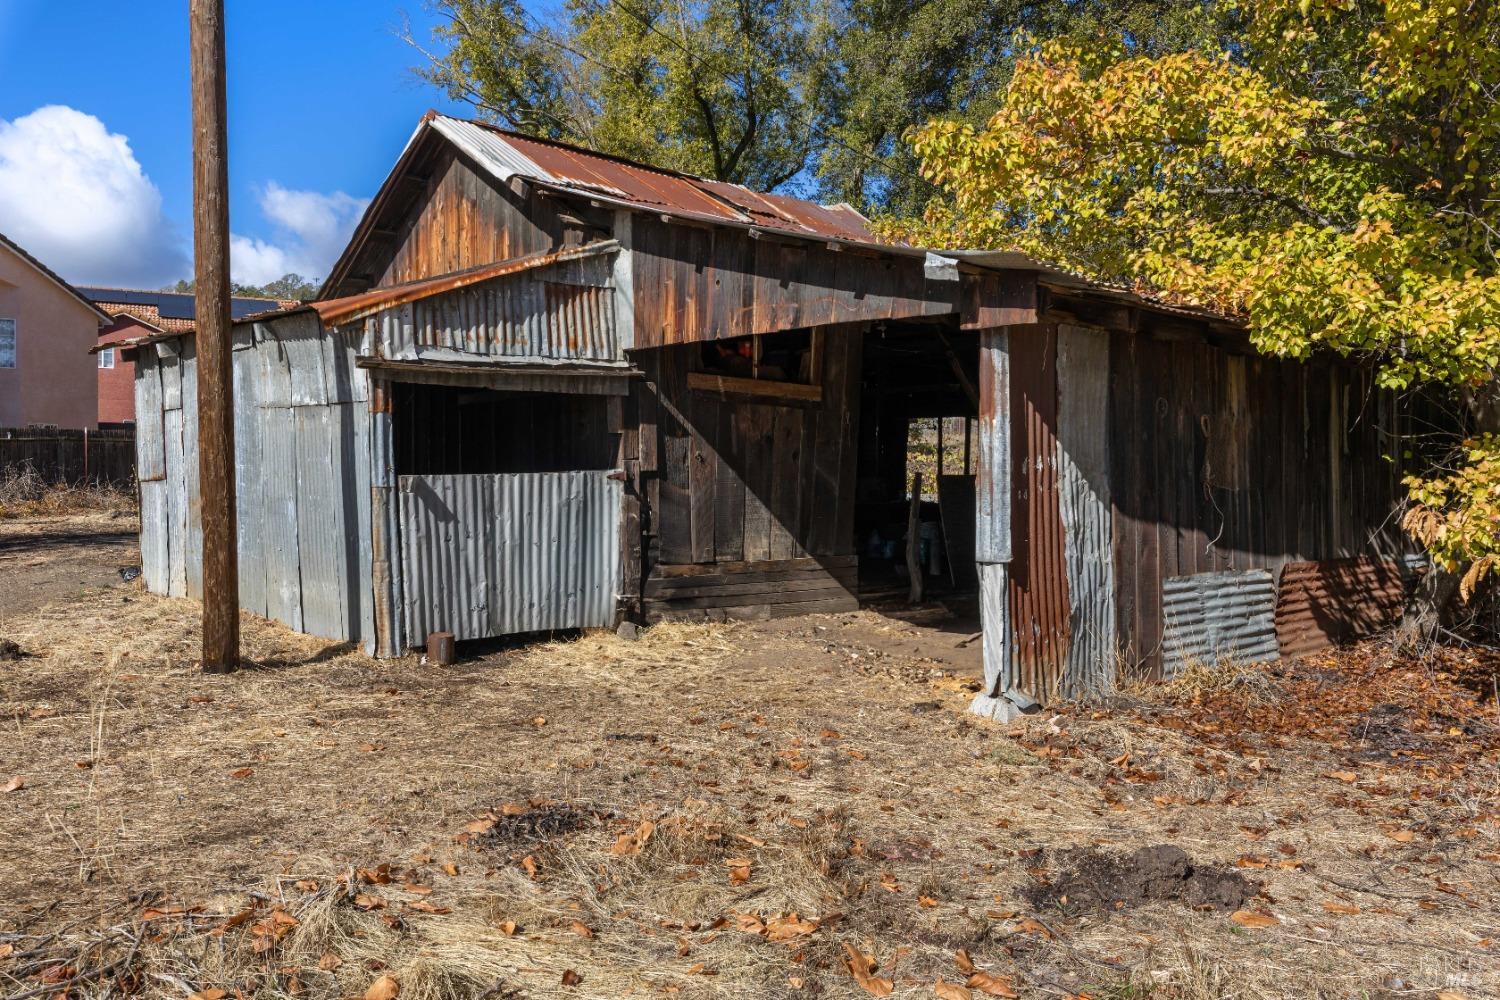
pixel 1095 881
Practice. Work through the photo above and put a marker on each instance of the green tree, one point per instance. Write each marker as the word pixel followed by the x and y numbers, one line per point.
pixel 725 90
pixel 900 63
pixel 815 94
pixel 1330 177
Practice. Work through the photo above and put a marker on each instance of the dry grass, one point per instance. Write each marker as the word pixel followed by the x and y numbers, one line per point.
pixel 516 787
pixel 26 495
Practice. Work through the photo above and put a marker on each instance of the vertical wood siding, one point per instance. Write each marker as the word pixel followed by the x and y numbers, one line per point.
pixel 1225 462
pixel 743 485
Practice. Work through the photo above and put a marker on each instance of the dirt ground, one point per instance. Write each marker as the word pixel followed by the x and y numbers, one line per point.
pixel 43 560
pixel 790 809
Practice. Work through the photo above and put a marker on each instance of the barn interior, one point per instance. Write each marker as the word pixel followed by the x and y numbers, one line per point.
pixel 919 409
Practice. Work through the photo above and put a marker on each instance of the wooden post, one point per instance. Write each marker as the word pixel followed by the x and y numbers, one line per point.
pixel 221 598
pixel 913 540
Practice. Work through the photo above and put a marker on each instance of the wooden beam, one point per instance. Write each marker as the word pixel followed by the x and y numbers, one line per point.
pixel 221 597
pixel 731 386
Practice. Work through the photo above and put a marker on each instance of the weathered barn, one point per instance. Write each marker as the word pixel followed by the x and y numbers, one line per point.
pixel 548 389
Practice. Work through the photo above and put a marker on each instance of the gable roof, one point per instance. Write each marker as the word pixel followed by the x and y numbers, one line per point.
pixel 52 276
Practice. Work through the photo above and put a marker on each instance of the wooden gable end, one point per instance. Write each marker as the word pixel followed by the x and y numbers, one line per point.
pixel 440 213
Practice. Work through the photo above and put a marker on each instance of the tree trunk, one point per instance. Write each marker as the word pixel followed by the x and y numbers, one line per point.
pixel 1430 607
pixel 1428 610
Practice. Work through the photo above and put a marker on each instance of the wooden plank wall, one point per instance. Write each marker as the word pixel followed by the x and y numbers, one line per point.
pixel 1222 461
pixel 444 215
pixel 749 504
pixel 694 284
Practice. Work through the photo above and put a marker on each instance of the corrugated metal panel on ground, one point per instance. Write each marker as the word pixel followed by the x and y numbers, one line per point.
pixel 1084 503
pixel 1320 604
pixel 499 555
pixel 1213 616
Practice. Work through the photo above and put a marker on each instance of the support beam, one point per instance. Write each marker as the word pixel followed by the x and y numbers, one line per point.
pixel 221 597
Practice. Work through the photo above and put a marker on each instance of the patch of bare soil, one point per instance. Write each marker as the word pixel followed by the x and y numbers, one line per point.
pixel 62 558
pixel 1095 880
pixel 711 811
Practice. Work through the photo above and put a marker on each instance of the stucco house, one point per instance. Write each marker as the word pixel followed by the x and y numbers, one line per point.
pixel 47 328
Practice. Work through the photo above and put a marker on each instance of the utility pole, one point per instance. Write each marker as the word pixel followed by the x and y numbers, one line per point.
pixel 221 585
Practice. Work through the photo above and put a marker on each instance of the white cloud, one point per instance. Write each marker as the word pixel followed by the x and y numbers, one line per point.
pixel 74 195
pixel 311 230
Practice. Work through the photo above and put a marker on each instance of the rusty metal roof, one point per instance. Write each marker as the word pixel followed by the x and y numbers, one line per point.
pixel 509 154
pixel 355 307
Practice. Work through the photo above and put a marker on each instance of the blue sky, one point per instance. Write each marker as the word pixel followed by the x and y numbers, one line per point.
pixel 321 100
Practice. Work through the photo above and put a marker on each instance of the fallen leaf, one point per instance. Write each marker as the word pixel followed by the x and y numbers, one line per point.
pixel 951 991
pixel 739 870
pixel 450 868
pixel 993 986
pixel 384 988
pixel 1333 906
pixel 964 962
pixel 423 906
pixel 214 993
pixel 862 968
pixel 926 902
pixel 1249 918
pixel 15 784
pixel 371 747
pixel 1402 836
pixel 528 863
pixel 7 949
pixel 508 928
pixel 1451 995
pixel 1348 777
pixel 788 927
pixel 630 844
pixel 329 961
pixel 539 721
pixel 581 929
pixel 242 772
pixel 571 978
pixel 365 901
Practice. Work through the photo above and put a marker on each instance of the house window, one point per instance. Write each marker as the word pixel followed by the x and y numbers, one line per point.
pixel 7 343
pixel 107 358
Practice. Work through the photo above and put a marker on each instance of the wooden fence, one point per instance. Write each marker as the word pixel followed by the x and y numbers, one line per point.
pixel 73 457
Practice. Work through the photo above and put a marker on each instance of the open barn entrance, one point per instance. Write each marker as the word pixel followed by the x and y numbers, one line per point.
pixel 919 412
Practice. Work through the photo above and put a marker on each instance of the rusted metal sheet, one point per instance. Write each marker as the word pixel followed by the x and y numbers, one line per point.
pixel 1084 503
pixel 1320 604
pixel 500 555
pixel 1214 616
pixel 1038 577
pixel 352 308
pixel 509 154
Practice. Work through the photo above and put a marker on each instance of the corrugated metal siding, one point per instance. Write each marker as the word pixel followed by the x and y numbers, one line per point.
pixel 1212 616
pixel 994 613
pixel 499 555
pixel 992 534
pixel 302 465
pixel 1320 604
pixel 565 312
pixel 1084 504
pixel 1038 579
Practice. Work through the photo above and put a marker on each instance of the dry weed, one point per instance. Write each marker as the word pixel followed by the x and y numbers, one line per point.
pixel 24 494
